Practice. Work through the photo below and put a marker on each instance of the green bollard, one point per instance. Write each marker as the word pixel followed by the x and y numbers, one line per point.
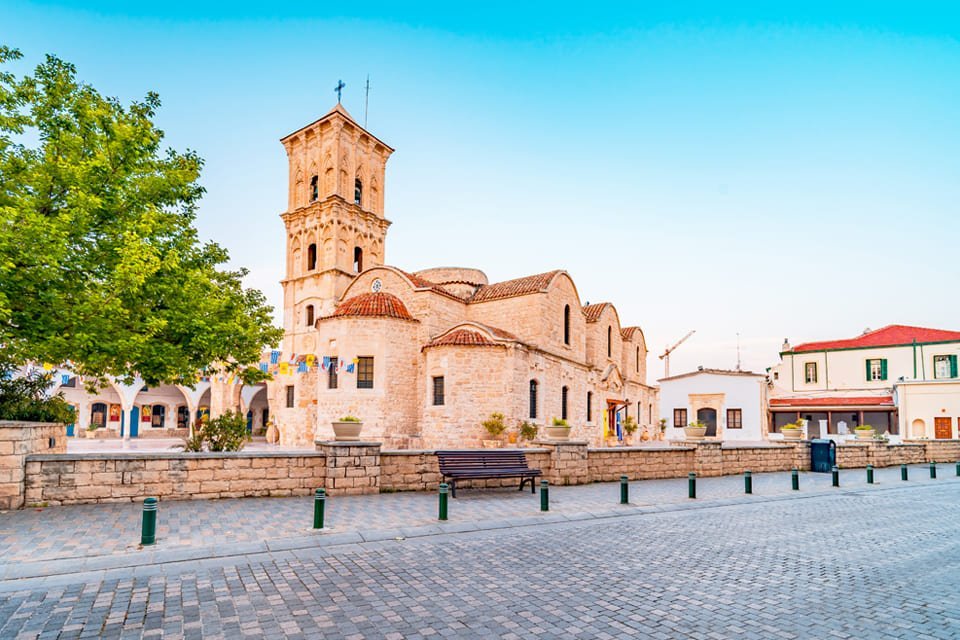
pixel 148 532
pixel 692 485
pixel 958 468
pixel 903 472
pixel 747 482
pixel 836 476
pixel 795 479
pixel 444 488
pixel 869 474
pixel 933 470
pixel 625 489
pixel 319 502
pixel 544 495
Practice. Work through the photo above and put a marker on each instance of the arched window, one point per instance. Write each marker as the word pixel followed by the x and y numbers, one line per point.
pixel 309 314
pixel 533 399
pixel 638 359
pixel 609 342
pixel 589 406
pixel 357 259
pixel 563 403
pixel 311 257
pixel 314 188
pixel 357 192
pixel 566 324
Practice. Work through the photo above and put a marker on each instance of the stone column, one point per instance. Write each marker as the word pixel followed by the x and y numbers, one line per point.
pixel 17 441
pixel 353 468
pixel 708 459
pixel 568 462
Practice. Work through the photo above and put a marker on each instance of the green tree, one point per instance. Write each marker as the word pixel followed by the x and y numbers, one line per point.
pixel 100 262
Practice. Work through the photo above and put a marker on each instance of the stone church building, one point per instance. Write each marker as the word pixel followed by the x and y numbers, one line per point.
pixel 423 358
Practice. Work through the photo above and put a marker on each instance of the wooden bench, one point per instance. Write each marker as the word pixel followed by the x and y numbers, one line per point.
pixel 477 465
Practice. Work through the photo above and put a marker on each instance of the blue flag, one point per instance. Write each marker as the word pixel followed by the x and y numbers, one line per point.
pixel 275 356
pixel 264 366
pixel 302 366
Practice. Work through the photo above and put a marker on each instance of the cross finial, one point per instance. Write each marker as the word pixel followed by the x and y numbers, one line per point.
pixel 338 89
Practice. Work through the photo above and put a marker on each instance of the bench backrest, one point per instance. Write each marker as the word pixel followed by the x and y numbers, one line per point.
pixel 480 460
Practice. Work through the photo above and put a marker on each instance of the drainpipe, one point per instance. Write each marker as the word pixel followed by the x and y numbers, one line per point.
pixel 914 358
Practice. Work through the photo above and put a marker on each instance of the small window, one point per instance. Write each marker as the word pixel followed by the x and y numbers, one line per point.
pixel 437 391
pixel 533 399
pixel 365 373
pixel 357 192
pixel 734 418
pixel 649 412
pixel 314 189
pixel 638 359
pixel 945 366
pixel 810 372
pixel 609 342
pixel 71 383
pixel 566 324
pixel 311 257
pixel 332 373
pixel 563 403
pixel 357 259
pixel 589 406
pixel 309 315
pixel 876 369
pixel 679 418
pixel 289 396
pixel 183 417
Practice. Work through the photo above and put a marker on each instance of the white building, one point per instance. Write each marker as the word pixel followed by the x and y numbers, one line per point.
pixel 891 378
pixel 731 403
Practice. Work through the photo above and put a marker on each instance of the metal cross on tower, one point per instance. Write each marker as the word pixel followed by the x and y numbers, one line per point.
pixel 338 89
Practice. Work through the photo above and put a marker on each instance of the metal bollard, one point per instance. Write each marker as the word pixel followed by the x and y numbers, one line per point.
pixel 933 470
pixel 319 504
pixel 795 479
pixel 958 468
pixel 903 472
pixel 836 476
pixel 747 482
pixel 444 489
pixel 625 489
pixel 692 485
pixel 869 474
pixel 148 531
pixel 544 495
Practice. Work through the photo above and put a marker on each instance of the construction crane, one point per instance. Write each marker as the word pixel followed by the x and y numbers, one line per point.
pixel 665 356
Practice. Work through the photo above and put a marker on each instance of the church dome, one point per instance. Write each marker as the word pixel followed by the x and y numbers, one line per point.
pixel 377 305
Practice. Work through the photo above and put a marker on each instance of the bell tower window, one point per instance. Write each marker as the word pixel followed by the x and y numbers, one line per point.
pixel 311 257
pixel 357 192
pixel 314 188
pixel 566 324
pixel 609 342
pixel 309 322
pixel 357 259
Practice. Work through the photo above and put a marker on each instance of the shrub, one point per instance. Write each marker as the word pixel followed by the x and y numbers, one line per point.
pixel 349 419
pixel 227 432
pixel 560 422
pixel 863 427
pixel 629 425
pixel 494 425
pixel 25 398
pixel 528 431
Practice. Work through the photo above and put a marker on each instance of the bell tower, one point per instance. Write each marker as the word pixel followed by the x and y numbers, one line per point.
pixel 335 226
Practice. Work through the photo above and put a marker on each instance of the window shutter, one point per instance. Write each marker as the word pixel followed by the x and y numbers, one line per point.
pixel 868 370
pixel 953 366
pixel 883 369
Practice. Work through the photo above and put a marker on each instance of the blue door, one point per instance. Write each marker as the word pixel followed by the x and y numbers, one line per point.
pixel 73 410
pixel 249 421
pixel 135 418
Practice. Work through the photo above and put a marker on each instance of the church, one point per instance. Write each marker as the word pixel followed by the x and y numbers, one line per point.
pixel 422 358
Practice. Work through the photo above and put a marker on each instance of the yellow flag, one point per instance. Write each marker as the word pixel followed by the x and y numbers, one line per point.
pixel 47 366
pixel 284 368
pixel 311 359
pixel 606 425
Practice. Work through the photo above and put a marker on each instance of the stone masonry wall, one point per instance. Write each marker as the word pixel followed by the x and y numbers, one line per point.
pixel 17 441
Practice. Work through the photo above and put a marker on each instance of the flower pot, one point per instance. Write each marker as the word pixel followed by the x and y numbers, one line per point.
pixel 346 431
pixel 792 434
pixel 695 433
pixel 864 434
pixel 558 433
pixel 491 444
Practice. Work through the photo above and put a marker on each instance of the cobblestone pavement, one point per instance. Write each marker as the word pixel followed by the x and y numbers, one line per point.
pixel 85 531
pixel 873 563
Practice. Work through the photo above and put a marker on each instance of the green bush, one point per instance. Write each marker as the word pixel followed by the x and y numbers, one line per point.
pixel 494 425
pixel 560 422
pixel 227 432
pixel 25 398
pixel 528 431
pixel 349 419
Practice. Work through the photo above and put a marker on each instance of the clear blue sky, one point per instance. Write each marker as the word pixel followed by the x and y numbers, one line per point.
pixel 773 169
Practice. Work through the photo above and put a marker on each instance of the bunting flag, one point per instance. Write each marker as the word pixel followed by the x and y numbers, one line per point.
pixel 350 368
pixel 325 363
pixel 302 366
pixel 355 361
pixel 311 360
pixel 64 378
pixel 275 356
pixel 341 363
pixel 619 430
pixel 284 368
pixel 47 366
pixel 264 367
pixel 293 358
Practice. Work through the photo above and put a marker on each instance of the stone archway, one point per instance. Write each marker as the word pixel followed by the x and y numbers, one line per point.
pixel 708 416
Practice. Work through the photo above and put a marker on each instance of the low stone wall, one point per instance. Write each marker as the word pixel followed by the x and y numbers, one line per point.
pixel 765 458
pixel 640 463
pixel 128 477
pixel 853 455
pixel 940 450
pixel 17 441
pixel 420 470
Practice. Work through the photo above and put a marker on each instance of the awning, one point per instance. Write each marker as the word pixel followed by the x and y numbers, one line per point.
pixel 839 402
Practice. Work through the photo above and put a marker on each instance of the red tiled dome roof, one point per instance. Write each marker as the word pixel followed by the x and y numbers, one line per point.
pixel 381 304
pixel 463 338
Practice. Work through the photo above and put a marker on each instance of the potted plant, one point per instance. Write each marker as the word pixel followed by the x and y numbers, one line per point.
pixel 558 429
pixel 695 430
pixel 663 429
pixel 792 431
pixel 495 426
pixel 528 431
pixel 629 427
pixel 347 428
pixel 864 432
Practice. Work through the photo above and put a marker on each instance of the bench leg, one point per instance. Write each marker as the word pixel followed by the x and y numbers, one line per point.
pixel 532 486
pixel 453 488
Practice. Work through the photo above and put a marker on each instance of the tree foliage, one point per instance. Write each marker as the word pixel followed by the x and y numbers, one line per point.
pixel 227 432
pixel 100 262
pixel 25 398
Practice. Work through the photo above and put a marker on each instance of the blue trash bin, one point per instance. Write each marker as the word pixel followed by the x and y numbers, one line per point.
pixel 823 455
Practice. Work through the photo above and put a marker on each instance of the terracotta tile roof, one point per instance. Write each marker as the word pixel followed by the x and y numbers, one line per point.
pixel 840 401
pixel 516 287
pixel 628 333
pixel 423 283
pixel 463 338
pixel 382 305
pixel 889 336
pixel 593 311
